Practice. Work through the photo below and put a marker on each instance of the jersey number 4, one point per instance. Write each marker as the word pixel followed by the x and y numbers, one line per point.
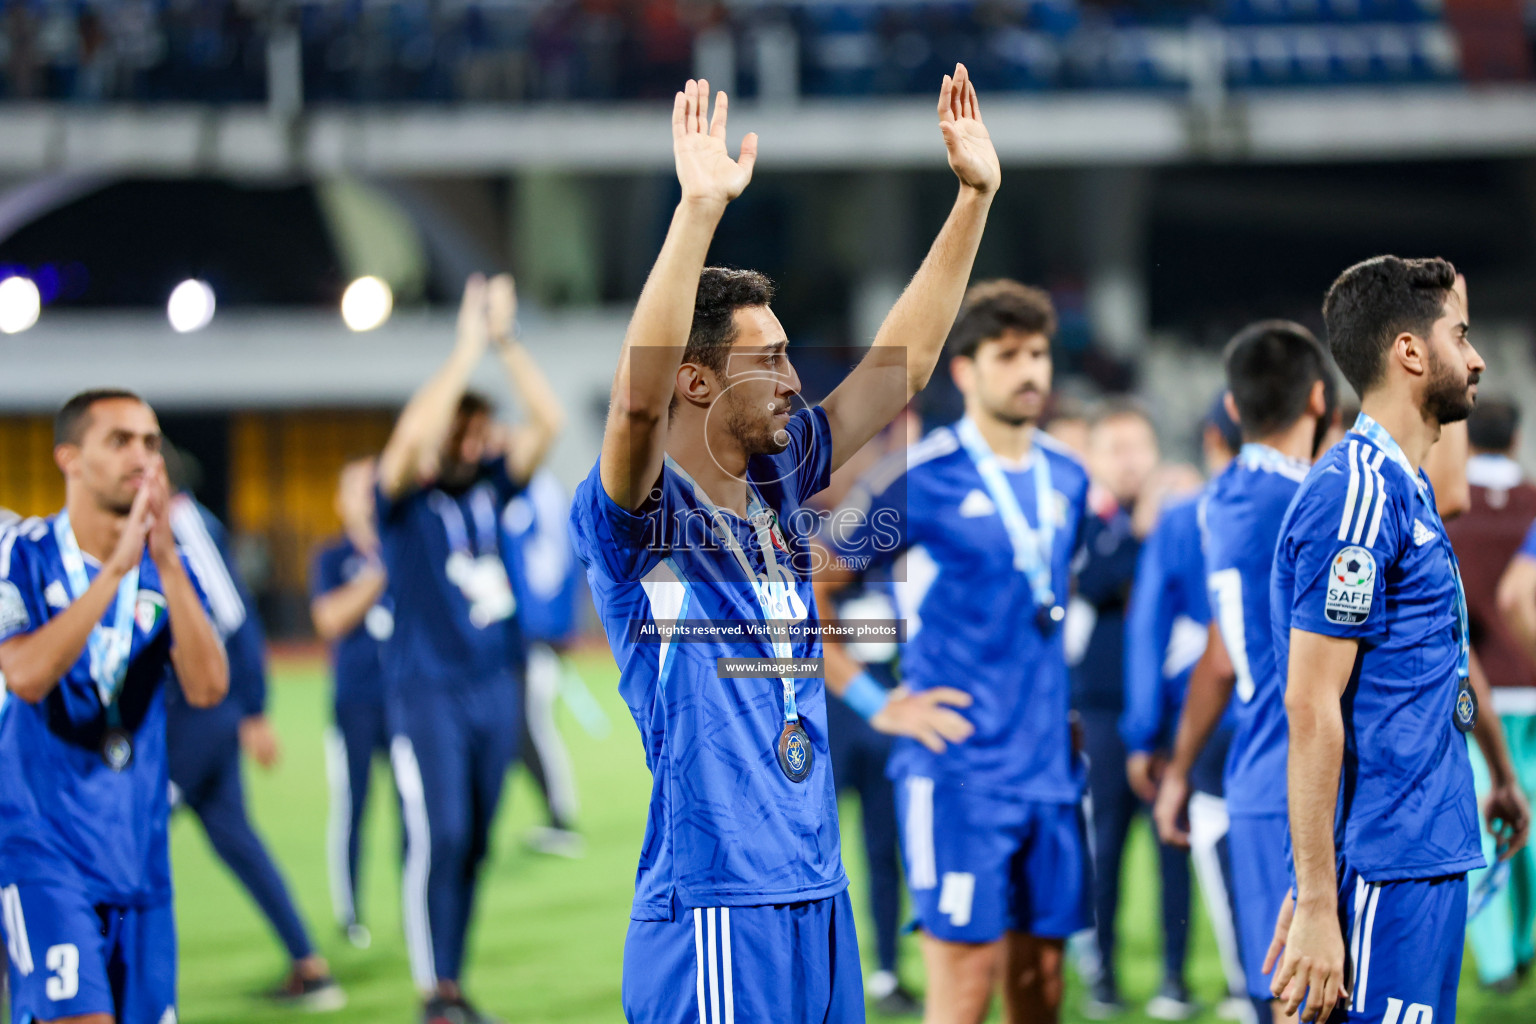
pixel 1417 1013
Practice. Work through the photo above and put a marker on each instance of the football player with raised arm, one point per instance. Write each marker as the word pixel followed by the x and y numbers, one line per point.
pixel 695 513
pixel 449 690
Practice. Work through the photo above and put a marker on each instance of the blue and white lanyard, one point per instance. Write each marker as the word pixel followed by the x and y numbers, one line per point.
pixel 758 515
pixel 480 507
pixel 1374 432
pixel 1032 547
pixel 108 647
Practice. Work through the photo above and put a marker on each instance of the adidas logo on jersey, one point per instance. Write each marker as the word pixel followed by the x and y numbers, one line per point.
pixel 976 505
pixel 55 595
pixel 1421 534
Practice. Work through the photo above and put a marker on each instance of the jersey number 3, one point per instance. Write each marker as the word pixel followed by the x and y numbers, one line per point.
pixel 64 961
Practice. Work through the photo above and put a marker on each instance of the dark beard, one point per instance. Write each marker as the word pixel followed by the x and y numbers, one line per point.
pixel 456 477
pixel 754 436
pixel 1445 397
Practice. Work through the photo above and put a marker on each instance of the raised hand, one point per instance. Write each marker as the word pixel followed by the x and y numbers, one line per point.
pixel 927 717
pixel 501 307
pixel 473 332
pixel 162 542
pixel 704 166
pixel 971 154
pixel 130 543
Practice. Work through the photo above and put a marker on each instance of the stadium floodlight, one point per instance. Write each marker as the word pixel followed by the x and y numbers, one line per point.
pixel 190 307
pixel 366 303
pixel 20 304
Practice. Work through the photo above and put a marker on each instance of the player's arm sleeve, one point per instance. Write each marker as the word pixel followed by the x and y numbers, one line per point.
pixel 872 528
pixel 1528 546
pixel 207 561
pixel 246 649
pixel 1148 627
pixel 621 544
pixel 1340 543
pixel 21 610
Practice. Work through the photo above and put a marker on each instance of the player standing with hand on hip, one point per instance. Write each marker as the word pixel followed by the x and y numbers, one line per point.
pixel 992 830
pixel 1370 626
pixel 98 614
pixel 695 511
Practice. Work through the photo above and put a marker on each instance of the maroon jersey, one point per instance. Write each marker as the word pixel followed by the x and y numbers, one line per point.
pixel 1486 538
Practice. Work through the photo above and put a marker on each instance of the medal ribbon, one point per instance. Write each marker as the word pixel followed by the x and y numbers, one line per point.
pixel 1374 432
pixel 108 647
pixel 453 520
pixel 758 514
pixel 1031 546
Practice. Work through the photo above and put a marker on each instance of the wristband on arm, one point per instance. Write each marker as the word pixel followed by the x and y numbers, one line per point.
pixel 866 696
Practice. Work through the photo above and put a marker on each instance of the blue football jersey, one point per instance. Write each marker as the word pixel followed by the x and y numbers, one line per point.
pixel 65 817
pixel 1165 628
pixel 971 616
pixel 545 572
pixel 455 622
pixel 1362 554
pixel 1528 546
pixel 357 665
pixel 726 827
pixel 1241 517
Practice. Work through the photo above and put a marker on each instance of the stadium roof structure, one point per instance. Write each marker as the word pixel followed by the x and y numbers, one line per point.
pixel 1319 125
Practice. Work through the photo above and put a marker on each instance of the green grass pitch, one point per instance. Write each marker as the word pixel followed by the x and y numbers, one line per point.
pixel 547 943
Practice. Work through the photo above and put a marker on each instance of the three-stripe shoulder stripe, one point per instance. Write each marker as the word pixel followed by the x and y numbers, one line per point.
pixel 189 528
pixel 32 528
pixel 1366 497
pixel 891 468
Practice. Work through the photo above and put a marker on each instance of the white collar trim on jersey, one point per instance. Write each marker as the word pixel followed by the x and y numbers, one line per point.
pixel 1496 472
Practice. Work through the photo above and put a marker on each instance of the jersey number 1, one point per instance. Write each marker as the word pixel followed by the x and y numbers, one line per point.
pixel 1226 588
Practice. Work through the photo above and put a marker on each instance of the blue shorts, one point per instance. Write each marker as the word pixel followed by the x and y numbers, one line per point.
pixel 979 865
pixel 70 958
pixel 717 965
pixel 1261 879
pixel 1403 944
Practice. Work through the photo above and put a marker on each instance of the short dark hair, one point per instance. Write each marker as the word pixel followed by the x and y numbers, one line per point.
pixel 1118 407
pixel 1491 426
pixel 474 403
pixel 992 308
pixel 1373 302
pixel 74 416
pixel 1271 367
pixel 722 291
pixel 1218 419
